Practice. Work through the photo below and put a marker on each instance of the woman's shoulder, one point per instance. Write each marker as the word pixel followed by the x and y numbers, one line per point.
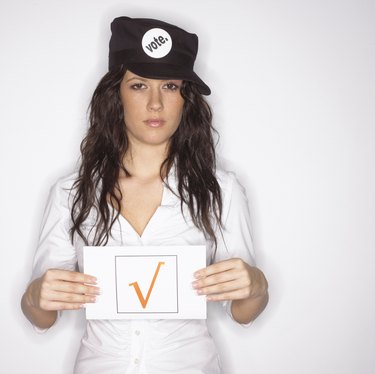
pixel 65 182
pixel 63 187
pixel 233 192
pixel 226 179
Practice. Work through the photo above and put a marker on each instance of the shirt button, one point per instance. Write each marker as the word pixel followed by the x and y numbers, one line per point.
pixel 136 361
pixel 137 332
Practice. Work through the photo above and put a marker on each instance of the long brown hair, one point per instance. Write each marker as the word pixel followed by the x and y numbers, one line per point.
pixel 191 150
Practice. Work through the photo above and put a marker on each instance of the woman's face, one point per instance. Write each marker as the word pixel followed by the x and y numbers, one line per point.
pixel 152 108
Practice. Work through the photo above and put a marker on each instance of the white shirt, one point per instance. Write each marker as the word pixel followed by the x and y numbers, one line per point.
pixel 146 346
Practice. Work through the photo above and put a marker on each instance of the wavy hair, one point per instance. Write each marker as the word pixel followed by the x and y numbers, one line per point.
pixel 191 150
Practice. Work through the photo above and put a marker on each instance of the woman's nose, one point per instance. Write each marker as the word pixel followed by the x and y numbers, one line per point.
pixel 155 100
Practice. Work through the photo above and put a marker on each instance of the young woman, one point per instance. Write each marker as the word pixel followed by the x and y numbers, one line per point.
pixel 147 177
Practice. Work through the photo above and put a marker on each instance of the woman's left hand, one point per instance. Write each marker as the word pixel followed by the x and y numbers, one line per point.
pixel 231 279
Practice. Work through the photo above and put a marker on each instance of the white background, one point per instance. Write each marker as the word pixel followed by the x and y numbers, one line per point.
pixel 293 95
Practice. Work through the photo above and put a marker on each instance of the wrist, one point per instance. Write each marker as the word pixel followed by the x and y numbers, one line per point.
pixel 247 310
pixel 28 297
pixel 42 319
pixel 259 285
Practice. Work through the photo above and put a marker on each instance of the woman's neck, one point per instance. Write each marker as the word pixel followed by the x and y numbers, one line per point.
pixel 145 161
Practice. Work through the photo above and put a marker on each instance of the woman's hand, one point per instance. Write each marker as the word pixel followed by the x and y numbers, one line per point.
pixel 235 280
pixel 61 290
pixel 230 279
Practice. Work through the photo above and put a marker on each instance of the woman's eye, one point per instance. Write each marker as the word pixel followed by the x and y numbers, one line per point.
pixel 137 86
pixel 172 86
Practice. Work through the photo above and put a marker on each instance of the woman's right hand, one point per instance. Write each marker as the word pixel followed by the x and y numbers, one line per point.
pixel 61 290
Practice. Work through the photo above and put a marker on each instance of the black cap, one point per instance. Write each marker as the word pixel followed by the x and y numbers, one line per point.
pixel 154 49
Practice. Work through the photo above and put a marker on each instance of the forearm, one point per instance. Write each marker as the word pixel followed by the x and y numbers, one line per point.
pixel 38 317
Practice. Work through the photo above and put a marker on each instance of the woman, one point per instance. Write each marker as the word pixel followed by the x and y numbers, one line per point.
pixel 148 160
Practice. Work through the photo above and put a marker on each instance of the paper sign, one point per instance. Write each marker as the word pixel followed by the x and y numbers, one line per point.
pixel 147 282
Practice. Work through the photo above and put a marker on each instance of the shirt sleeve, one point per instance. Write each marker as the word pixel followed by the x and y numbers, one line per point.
pixel 54 250
pixel 235 238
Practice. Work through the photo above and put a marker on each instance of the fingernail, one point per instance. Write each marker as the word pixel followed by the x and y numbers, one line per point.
pixel 194 284
pixel 197 274
pixel 199 292
pixel 93 299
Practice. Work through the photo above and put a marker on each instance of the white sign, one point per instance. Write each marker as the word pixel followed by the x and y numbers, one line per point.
pixel 148 282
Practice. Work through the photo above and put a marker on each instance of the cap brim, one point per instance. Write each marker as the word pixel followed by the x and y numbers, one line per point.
pixel 167 71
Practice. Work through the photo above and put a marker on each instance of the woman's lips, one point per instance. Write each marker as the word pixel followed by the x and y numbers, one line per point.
pixel 154 122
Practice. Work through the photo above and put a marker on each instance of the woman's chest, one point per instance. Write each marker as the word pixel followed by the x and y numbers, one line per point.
pixel 167 227
pixel 139 201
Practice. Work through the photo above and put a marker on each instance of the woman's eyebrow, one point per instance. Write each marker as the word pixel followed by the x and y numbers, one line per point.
pixel 136 78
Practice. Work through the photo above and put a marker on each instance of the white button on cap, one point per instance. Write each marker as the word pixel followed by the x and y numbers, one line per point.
pixel 136 361
pixel 137 332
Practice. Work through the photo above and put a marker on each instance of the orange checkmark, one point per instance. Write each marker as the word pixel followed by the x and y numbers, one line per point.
pixel 142 300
